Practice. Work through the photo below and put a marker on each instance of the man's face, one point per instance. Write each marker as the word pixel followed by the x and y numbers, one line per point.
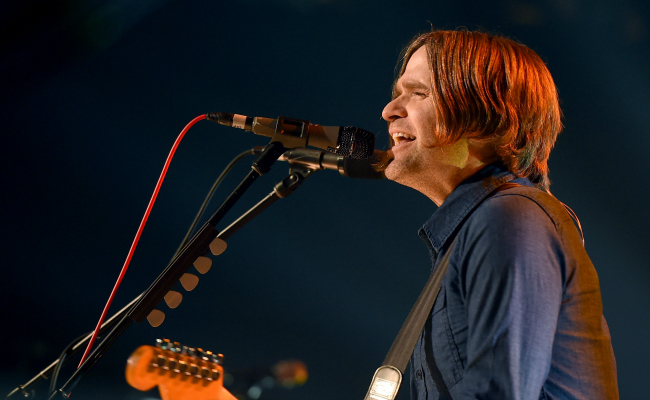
pixel 420 162
pixel 411 118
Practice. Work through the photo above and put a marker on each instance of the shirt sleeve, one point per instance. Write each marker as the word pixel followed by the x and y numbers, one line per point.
pixel 511 280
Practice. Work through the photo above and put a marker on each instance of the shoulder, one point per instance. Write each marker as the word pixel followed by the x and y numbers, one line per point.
pixel 524 209
pixel 507 232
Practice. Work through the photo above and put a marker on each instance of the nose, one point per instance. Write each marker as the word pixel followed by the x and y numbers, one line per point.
pixel 393 110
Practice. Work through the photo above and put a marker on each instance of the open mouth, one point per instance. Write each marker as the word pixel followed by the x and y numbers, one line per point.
pixel 401 137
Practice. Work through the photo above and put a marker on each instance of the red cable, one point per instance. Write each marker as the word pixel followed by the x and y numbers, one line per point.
pixel 137 235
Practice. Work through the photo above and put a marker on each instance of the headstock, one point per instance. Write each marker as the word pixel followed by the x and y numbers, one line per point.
pixel 180 372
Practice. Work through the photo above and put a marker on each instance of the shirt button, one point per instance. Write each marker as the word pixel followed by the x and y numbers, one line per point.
pixel 418 374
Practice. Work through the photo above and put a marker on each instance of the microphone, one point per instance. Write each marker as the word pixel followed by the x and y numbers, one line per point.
pixel 347 141
pixel 350 167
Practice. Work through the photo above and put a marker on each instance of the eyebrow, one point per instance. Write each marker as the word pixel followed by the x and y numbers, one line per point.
pixel 410 84
pixel 413 84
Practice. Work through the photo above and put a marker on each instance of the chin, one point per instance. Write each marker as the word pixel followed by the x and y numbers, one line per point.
pixel 395 172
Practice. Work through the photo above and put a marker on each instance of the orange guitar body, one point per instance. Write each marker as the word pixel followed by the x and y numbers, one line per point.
pixel 179 375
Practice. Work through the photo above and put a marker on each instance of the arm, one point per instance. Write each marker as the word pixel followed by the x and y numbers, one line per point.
pixel 511 280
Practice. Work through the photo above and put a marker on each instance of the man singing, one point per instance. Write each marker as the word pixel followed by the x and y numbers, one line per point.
pixel 519 315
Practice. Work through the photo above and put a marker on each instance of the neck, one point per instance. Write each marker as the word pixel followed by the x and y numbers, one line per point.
pixel 440 186
pixel 445 167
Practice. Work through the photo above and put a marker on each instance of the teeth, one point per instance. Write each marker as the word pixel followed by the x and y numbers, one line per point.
pixel 399 136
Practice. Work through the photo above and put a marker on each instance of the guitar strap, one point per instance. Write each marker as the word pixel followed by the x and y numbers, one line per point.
pixel 402 348
pixel 388 378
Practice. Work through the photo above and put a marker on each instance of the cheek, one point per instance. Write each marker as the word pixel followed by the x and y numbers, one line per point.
pixel 428 133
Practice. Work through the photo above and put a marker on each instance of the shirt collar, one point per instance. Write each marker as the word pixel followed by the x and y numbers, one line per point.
pixel 462 201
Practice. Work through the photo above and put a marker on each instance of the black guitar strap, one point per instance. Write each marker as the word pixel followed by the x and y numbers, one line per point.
pixel 387 379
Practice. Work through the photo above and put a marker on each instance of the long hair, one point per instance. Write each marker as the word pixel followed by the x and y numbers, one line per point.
pixel 492 88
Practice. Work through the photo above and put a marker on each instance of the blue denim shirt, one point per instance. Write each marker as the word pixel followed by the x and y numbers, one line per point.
pixel 519 314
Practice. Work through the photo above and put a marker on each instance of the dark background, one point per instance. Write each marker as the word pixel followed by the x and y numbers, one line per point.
pixel 94 94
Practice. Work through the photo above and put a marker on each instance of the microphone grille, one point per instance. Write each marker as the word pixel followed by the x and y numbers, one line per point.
pixel 355 142
pixel 364 169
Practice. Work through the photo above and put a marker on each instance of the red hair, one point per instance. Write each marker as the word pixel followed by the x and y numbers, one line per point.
pixel 492 88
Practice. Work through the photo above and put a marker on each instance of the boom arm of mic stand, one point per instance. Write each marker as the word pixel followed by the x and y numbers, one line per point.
pixel 282 189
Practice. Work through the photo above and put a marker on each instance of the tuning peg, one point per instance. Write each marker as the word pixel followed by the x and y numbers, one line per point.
pixel 217 358
pixel 159 362
pixel 203 264
pixel 207 355
pixel 182 367
pixel 193 369
pixel 155 318
pixel 163 344
pixel 215 374
pixel 189 281
pixel 205 373
pixel 173 299
pixel 171 364
pixel 218 246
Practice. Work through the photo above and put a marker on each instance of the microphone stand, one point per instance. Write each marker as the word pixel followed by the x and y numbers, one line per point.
pixel 297 175
pixel 143 304
pixel 75 347
pixel 196 247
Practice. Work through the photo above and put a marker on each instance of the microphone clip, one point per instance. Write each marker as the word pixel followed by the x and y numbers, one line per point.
pixel 291 132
